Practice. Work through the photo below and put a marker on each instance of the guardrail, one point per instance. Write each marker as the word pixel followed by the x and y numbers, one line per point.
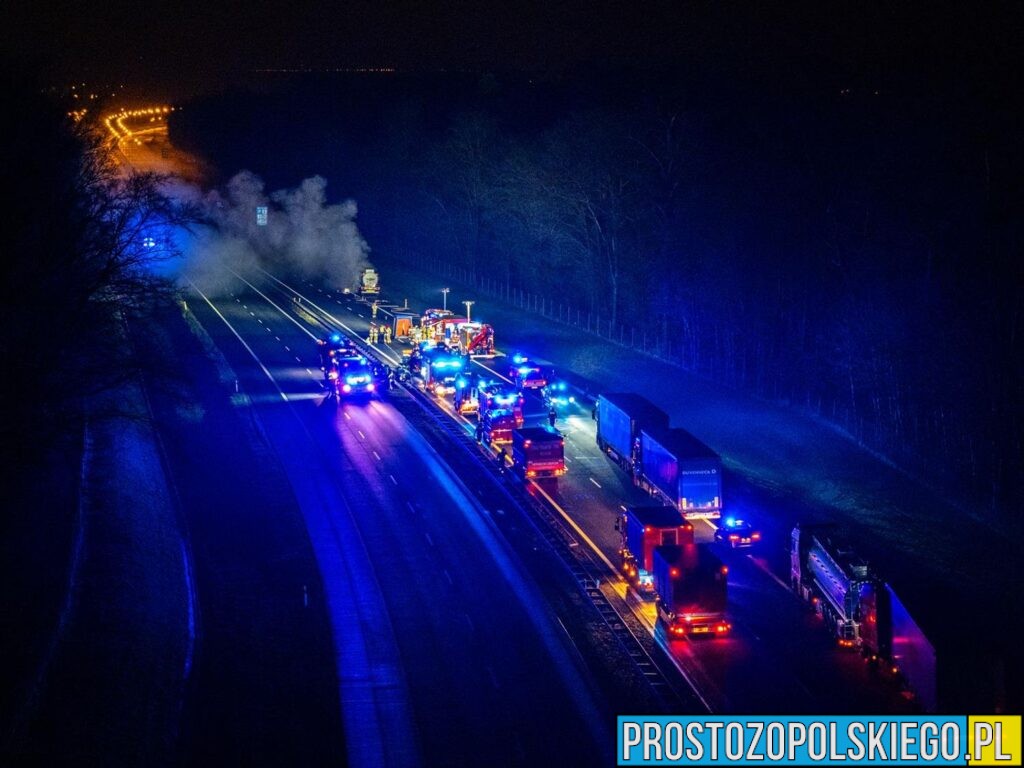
pixel 587 571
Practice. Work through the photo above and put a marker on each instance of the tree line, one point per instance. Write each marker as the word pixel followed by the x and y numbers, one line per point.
pixel 852 252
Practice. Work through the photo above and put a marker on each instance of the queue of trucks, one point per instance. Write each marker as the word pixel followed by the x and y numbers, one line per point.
pixel 659 556
pixel 670 464
pixel 687 580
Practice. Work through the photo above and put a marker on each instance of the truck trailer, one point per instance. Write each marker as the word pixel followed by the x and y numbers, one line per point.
pixel 680 469
pixel 642 529
pixel 691 588
pixel 537 453
pixel 620 419
pixel 369 282
pixel 860 609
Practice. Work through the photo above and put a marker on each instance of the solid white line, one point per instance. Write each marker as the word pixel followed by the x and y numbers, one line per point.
pixel 237 336
pixel 332 318
pixel 575 527
pixel 493 372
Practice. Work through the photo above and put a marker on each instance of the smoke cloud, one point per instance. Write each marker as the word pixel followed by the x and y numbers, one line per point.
pixel 304 234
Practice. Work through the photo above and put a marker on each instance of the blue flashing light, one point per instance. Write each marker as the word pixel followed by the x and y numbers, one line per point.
pixel 523 370
pixel 518 358
pixel 460 383
pixel 336 338
pixel 572 399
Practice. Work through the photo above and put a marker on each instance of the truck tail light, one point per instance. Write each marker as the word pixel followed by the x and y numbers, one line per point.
pixel 733 537
pixel 755 536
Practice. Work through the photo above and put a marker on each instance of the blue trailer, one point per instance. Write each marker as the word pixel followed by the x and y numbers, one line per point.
pixel 620 418
pixel 682 470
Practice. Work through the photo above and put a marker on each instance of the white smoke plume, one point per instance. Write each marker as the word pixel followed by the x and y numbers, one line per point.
pixel 304 234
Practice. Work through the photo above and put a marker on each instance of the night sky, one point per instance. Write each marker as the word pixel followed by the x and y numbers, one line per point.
pixel 189 46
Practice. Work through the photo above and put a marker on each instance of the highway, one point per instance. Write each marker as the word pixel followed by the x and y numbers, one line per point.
pixel 446 650
pixel 779 657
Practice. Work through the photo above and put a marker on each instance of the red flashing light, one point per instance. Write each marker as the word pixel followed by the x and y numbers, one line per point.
pixel 526 443
pixel 733 537
pixel 648 529
pixel 725 569
pixel 673 571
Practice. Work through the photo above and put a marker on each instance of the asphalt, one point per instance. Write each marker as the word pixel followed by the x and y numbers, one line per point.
pixel 445 650
pixel 261 686
pixel 779 658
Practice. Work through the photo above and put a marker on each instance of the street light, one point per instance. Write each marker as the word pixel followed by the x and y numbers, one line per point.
pixel 468 305
pixel 445 292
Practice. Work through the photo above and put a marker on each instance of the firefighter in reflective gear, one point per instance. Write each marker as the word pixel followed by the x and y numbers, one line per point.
pixel 373 309
pixel 387 334
pixel 372 338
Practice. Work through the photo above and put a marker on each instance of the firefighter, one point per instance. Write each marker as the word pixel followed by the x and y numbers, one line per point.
pixel 552 415
pixel 387 334
pixel 479 431
pixel 501 458
pixel 373 309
